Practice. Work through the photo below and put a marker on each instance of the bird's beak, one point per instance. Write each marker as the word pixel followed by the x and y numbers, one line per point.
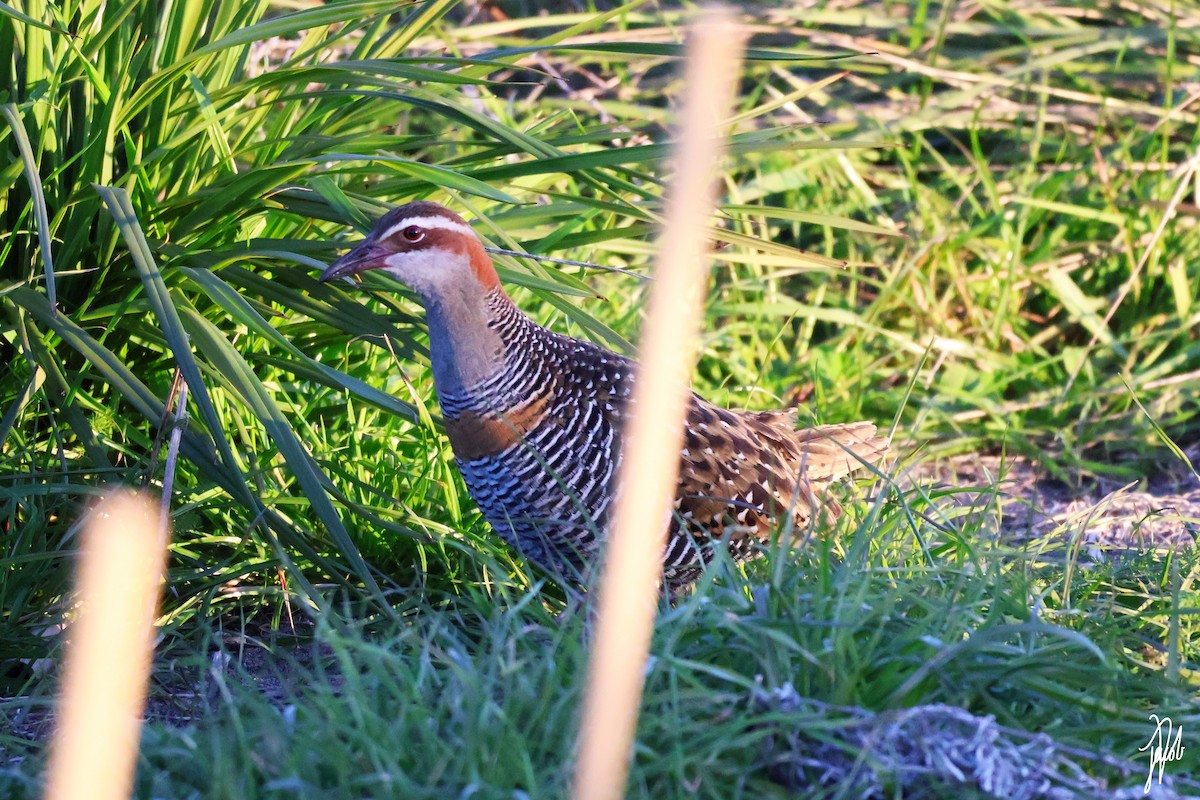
pixel 368 255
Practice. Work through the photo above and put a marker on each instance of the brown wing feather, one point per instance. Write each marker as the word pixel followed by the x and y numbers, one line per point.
pixel 750 469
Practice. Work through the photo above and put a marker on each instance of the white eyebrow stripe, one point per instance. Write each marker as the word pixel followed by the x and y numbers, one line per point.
pixel 427 223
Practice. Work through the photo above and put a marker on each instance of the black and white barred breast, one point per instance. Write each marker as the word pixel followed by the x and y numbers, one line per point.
pixel 539 446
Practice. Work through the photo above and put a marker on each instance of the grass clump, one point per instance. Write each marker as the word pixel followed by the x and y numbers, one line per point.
pixel 479 696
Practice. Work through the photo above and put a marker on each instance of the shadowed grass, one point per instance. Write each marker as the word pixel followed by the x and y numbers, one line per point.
pixel 479 695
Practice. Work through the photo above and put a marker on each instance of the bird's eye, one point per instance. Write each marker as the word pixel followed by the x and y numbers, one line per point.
pixel 413 233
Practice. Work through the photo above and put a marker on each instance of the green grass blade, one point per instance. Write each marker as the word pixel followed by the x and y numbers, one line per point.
pixel 312 481
pixel 13 117
pixel 164 310
pixel 240 310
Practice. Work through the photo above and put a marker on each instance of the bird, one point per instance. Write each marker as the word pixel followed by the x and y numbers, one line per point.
pixel 535 420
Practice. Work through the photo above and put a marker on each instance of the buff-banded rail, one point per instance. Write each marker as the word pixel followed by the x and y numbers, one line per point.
pixel 535 419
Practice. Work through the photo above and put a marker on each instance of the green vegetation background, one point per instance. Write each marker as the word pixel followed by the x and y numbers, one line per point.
pixel 973 222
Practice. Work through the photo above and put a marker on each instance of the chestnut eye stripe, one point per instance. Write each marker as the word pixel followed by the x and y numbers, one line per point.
pixel 427 223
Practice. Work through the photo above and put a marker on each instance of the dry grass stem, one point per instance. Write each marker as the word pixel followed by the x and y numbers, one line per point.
pixel 108 657
pixel 633 563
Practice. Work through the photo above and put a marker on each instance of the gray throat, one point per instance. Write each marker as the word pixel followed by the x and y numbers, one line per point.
pixel 463 348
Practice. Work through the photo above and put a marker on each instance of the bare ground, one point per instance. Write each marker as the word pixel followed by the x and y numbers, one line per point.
pixel 1161 511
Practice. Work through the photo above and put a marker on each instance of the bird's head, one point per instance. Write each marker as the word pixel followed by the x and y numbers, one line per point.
pixel 426 246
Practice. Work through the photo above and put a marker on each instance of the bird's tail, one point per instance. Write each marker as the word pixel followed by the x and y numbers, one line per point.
pixel 834 451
